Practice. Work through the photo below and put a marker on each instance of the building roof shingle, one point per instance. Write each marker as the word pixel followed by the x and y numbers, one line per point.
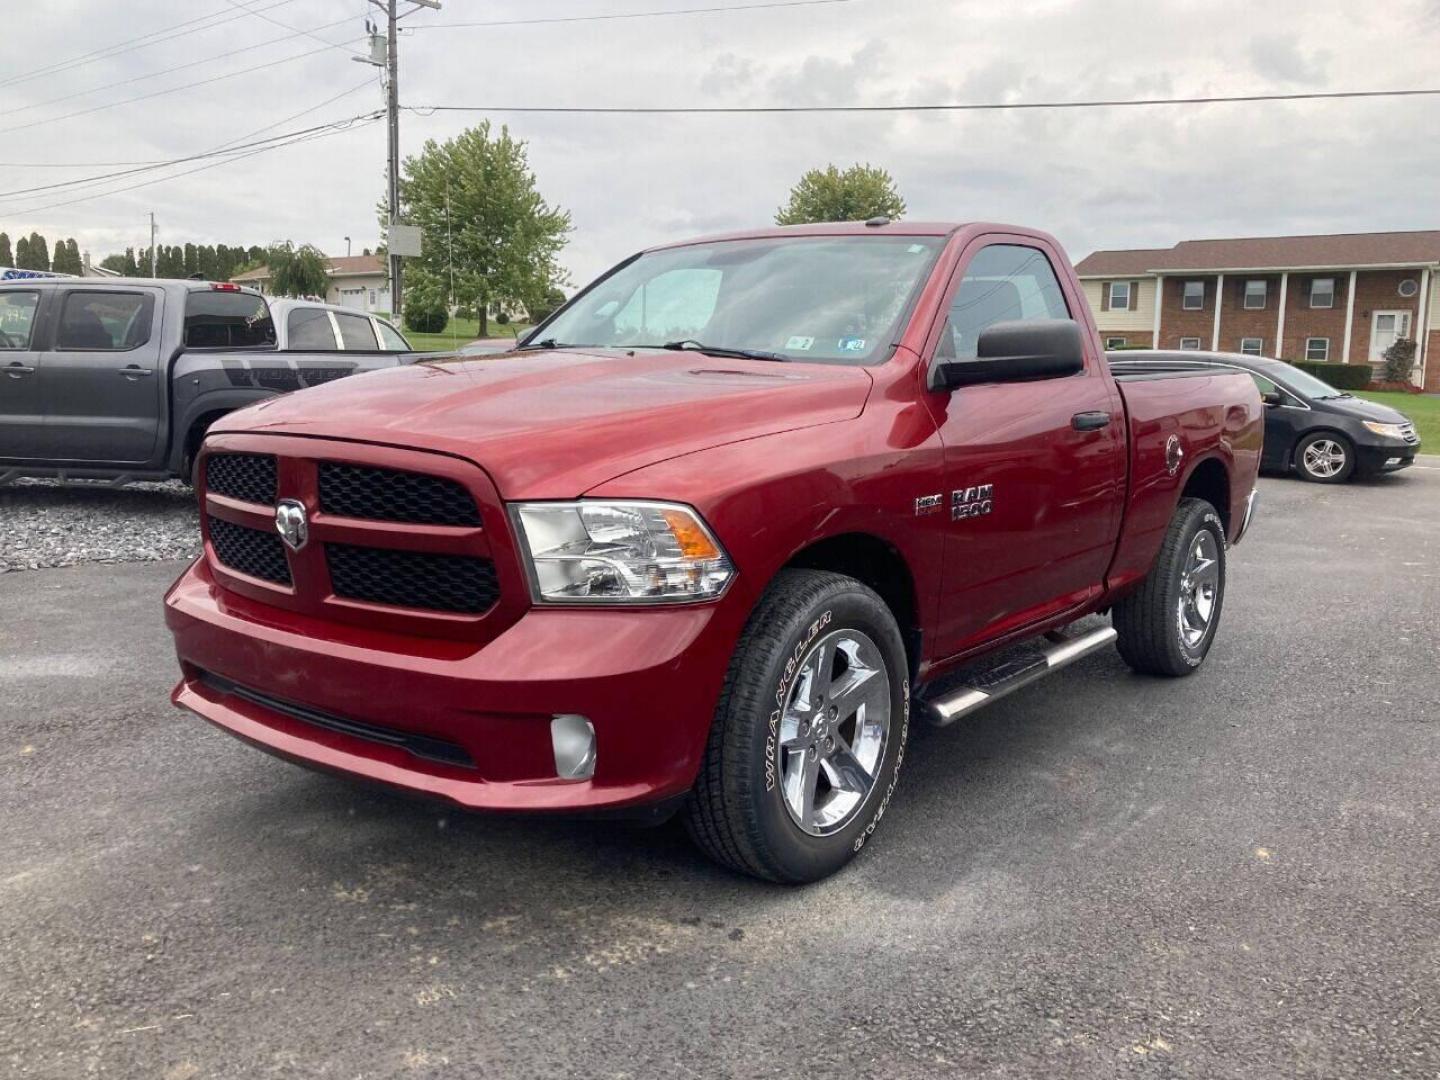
pixel 1337 250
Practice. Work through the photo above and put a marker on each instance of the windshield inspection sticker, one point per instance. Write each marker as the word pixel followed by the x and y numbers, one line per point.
pixel 852 344
pixel 804 344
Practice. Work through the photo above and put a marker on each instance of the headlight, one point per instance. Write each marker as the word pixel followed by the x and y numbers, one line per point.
pixel 1389 431
pixel 596 551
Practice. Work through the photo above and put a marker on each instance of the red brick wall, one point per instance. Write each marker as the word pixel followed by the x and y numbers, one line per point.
pixel 1177 323
pixel 1237 323
pixel 1432 362
pixel 1378 290
pixel 1302 321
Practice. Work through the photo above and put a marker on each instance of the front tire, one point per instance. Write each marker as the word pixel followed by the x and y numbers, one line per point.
pixel 1325 458
pixel 1167 625
pixel 809 732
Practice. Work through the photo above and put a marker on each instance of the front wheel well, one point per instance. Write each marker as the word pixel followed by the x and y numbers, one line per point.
pixel 1211 482
pixel 880 566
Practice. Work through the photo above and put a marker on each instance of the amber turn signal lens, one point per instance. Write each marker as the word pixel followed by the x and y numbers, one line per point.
pixel 694 544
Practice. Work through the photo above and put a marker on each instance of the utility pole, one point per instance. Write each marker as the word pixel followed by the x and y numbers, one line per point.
pixel 152 243
pixel 391 64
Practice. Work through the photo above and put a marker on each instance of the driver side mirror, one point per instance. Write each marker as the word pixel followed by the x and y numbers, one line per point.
pixel 1274 397
pixel 1017 351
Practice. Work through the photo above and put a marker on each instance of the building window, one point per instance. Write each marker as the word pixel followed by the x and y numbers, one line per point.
pixel 1322 292
pixel 1120 296
pixel 1409 288
pixel 1189 343
pixel 1115 343
pixel 1317 350
pixel 1255 295
pixel 1252 346
pixel 1194 298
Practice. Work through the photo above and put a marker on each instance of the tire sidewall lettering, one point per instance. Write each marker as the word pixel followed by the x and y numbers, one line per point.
pixel 782 692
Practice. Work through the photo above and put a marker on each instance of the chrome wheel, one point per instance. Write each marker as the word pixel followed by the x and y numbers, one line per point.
pixel 1199 588
pixel 1324 458
pixel 833 731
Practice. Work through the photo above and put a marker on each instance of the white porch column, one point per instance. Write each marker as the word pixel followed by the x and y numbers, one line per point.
pixel 1422 327
pixel 1349 317
pixel 1280 322
pixel 1159 298
pixel 1219 299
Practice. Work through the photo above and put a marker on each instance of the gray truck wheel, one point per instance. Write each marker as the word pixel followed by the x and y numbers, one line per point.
pixel 1166 626
pixel 809 732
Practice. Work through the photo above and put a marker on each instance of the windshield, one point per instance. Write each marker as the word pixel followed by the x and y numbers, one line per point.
pixel 1307 385
pixel 833 299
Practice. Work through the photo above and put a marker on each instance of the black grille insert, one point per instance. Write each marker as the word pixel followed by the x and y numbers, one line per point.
pixel 248 477
pixel 250 551
pixel 421 746
pixel 360 491
pixel 413 579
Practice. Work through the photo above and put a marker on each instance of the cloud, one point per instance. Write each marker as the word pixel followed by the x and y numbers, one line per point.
pixel 1096 178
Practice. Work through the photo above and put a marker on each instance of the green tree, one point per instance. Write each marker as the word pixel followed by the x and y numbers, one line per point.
pixel 1400 360
pixel 39 252
pixel 474 196
pixel 426 308
pixel 7 257
pixel 115 263
pixel 192 260
pixel 859 193
pixel 22 254
pixel 302 271
pixel 67 258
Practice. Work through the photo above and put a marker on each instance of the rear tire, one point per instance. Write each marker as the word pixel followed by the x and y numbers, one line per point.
pixel 1325 458
pixel 1167 625
pixel 809 733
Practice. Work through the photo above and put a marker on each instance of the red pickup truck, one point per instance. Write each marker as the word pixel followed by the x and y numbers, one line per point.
pixel 707 539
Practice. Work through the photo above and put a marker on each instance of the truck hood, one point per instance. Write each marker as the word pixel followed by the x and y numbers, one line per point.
pixel 552 425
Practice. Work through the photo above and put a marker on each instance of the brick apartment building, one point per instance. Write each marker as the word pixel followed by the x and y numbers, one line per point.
pixel 1340 298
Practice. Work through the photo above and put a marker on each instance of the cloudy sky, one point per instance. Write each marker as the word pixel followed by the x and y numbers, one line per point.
pixel 1096 178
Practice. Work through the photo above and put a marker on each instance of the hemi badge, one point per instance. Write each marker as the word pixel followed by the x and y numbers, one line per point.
pixel 928 504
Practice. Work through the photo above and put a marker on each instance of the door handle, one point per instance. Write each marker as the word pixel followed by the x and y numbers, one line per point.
pixel 1090 421
pixel 17 369
pixel 134 371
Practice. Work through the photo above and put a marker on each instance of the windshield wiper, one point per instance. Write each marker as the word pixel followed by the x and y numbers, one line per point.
pixel 691 345
pixel 548 343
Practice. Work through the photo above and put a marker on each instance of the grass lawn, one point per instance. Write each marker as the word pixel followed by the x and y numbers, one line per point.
pixel 457 333
pixel 1424 409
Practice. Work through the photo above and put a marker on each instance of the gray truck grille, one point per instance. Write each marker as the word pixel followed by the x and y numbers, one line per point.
pixel 249 551
pixel 248 477
pixel 414 579
pixel 360 491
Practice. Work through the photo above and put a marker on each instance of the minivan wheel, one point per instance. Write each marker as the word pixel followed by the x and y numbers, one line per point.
pixel 809 732
pixel 1325 458
pixel 1167 625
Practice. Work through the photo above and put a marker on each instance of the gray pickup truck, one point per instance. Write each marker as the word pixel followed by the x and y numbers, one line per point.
pixel 119 378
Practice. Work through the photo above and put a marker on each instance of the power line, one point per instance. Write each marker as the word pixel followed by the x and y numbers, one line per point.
pixel 162 93
pixel 228 160
pixel 182 67
pixel 258 13
pixel 223 150
pixel 133 44
pixel 986 106
pixel 632 14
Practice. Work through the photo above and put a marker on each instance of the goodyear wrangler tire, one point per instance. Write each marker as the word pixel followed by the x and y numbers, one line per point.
pixel 809 733
pixel 1167 625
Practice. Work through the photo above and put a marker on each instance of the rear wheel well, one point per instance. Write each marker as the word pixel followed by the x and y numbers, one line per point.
pixel 877 564
pixel 1211 482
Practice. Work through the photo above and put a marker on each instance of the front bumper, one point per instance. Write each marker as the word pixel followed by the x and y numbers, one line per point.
pixel 360 701
pixel 1385 457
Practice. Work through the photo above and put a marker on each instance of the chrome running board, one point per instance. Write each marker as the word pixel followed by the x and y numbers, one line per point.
pixel 989 685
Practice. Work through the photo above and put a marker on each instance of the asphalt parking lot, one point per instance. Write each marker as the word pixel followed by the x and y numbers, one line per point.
pixel 1234 875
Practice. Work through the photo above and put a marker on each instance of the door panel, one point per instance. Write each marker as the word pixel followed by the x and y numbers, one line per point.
pixel 21 415
pixel 101 383
pixel 1045 540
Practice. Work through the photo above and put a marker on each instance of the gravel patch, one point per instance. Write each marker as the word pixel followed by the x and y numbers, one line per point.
pixel 44 523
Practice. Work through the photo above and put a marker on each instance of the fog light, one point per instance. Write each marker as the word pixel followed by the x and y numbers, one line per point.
pixel 573 738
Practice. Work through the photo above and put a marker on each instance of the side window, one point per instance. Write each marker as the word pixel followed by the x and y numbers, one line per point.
pixel 17 316
pixel 356 333
pixel 670 307
pixel 104 321
pixel 1264 385
pixel 309 329
pixel 390 338
pixel 1003 282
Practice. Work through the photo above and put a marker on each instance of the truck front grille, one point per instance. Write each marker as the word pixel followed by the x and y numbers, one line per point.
pixel 360 491
pixel 412 579
pixel 248 477
pixel 249 551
